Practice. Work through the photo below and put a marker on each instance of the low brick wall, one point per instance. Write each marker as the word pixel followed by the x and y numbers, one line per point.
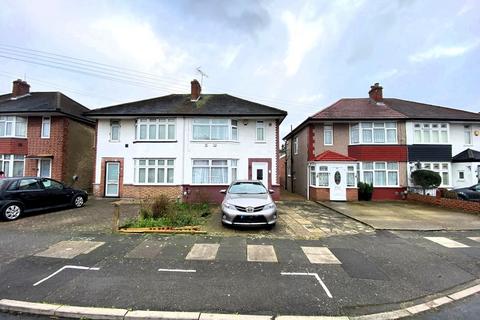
pixel 469 206
pixel 323 194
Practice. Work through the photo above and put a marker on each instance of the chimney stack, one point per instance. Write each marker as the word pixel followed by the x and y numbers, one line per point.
pixel 20 88
pixel 196 90
pixel 376 92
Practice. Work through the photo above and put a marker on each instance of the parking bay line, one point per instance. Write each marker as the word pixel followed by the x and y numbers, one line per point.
pixel 64 268
pixel 309 274
pixel 446 242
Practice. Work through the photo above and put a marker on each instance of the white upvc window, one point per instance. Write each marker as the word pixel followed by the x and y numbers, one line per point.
pixel 115 130
pixel 295 145
pixel 156 129
pixel 214 171
pixel 461 175
pixel 12 165
pixel 46 124
pixel 442 168
pixel 381 174
pixel 373 133
pixel 154 171
pixel 351 181
pixel 323 176
pixel 313 176
pixel 328 135
pixel 430 133
pixel 13 126
pixel 215 129
pixel 467 133
pixel 260 131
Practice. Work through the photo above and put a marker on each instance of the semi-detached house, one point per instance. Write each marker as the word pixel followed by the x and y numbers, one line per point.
pixel 188 146
pixel 381 141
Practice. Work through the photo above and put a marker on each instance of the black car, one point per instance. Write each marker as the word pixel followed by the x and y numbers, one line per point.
pixel 27 194
pixel 471 193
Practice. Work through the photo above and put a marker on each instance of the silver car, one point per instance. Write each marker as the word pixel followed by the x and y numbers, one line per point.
pixel 248 202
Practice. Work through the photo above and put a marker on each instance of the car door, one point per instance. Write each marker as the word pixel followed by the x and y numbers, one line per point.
pixel 56 193
pixel 30 192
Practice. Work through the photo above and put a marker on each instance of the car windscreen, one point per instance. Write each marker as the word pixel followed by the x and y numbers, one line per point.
pixel 247 188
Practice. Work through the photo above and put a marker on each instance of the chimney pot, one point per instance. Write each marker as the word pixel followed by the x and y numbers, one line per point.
pixel 376 92
pixel 196 89
pixel 20 88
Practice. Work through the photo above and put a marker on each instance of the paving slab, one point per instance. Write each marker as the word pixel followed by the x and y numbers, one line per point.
pixel 203 251
pixel 261 253
pixel 405 215
pixel 321 255
pixel 70 249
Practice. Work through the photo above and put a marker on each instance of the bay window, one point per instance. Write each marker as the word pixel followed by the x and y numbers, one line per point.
pixel 351 176
pixel 160 129
pixel 12 126
pixel 323 176
pixel 215 129
pixel 373 132
pixel 214 171
pixel 381 174
pixel 442 168
pixel 430 133
pixel 154 171
pixel 12 165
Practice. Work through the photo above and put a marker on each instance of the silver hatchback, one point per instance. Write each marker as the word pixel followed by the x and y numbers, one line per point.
pixel 248 202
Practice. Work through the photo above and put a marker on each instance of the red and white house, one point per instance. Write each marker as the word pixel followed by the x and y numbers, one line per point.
pixel 381 141
pixel 188 146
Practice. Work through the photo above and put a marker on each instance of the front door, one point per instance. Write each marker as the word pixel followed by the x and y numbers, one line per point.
pixel 260 172
pixel 112 179
pixel 337 180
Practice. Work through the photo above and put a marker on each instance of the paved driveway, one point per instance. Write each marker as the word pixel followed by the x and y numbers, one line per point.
pixel 406 215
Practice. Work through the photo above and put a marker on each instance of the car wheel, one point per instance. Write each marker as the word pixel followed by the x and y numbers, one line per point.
pixel 78 201
pixel 271 226
pixel 12 212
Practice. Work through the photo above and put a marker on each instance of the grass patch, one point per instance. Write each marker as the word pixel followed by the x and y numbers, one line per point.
pixel 163 212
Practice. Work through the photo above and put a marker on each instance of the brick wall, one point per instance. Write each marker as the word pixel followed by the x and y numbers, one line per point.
pixel 141 192
pixel 469 206
pixel 323 194
pixel 13 146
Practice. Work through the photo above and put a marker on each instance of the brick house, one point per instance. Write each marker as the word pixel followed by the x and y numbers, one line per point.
pixel 45 134
pixel 188 146
pixel 381 141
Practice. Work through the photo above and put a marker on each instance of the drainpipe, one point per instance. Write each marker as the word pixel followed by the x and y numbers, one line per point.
pixel 291 165
pixel 308 181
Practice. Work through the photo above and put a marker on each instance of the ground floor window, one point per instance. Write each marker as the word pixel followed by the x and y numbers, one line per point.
pixel 381 174
pixel 12 165
pixel 443 169
pixel 154 171
pixel 319 176
pixel 214 171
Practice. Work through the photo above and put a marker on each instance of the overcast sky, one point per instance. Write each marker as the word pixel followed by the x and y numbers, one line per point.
pixel 300 56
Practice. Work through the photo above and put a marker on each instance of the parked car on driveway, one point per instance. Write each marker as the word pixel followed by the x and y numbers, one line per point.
pixel 27 194
pixel 471 193
pixel 248 202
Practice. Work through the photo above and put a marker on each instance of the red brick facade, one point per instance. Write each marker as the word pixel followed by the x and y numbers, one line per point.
pixel 469 206
pixel 13 146
pixel 323 194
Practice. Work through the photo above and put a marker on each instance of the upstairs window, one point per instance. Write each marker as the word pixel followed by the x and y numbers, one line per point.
pixel 373 133
pixel 328 135
pixel 215 129
pixel 45 127
pixel 114 130
pixel 12 126
pixel 467 133
pixel 430 133
pixel 295 145
pixel 156 129
pixel 260 131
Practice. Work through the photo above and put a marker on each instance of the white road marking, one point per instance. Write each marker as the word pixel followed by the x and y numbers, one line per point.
pixel 203 251
pixel 321 255
pixel 448 243
pixel 309 274
pixel 474 238
pixel 63 268
pixel 177 270
pixel 261 253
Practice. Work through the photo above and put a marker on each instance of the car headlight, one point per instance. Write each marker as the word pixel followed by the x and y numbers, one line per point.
pixel 228 206
pixel 269 206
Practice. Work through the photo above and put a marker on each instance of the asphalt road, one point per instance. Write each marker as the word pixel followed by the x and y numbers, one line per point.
pixel 372 272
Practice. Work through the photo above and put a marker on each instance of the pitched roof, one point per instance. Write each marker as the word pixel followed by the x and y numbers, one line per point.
pixel 180 105
pixel 468 155
pixel 353 109
pixel 332 156
pixel 40 103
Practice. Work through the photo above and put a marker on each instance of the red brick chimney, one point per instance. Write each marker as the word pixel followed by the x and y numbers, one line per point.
pixel 196 90
pixel 20 88
pixel 376 92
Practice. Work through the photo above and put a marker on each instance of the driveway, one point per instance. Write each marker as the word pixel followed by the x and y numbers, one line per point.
pixel 405 215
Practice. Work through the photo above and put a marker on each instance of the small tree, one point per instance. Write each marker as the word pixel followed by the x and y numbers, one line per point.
pixel 426 179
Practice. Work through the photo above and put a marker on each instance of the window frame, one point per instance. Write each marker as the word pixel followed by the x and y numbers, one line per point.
pixel 115 123
pixel 295 145
pixel 44 122
pixel 157 123
pixel 260 124
pixel 431 128
pixel 13 126
pixel 166 166
pixel 467 129
pixel 372 126
pixel 385 169
pixel 328 128
pixel 431 166
pixel 230 166
pixel 231 125
pixel 10 159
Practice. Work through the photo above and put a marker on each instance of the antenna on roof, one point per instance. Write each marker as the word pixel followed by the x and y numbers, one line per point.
pixel 202 74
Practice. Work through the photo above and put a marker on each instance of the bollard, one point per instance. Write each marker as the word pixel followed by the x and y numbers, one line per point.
pixel 116 217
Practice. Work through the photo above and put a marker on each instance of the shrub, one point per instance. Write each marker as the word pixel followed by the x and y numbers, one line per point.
pixel 161 206
pixel 450 194
pixel 426 179
pixel 365 191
